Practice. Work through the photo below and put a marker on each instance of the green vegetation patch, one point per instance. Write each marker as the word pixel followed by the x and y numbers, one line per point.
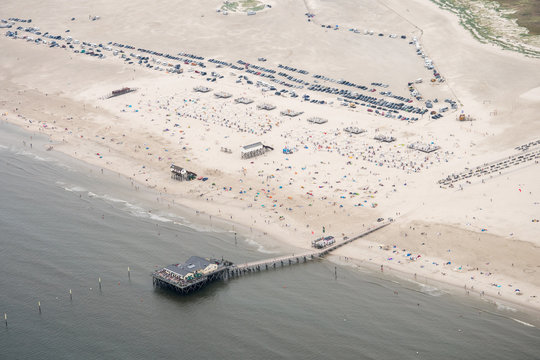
pixel 243 5
pixel 472 16
pixel 527 13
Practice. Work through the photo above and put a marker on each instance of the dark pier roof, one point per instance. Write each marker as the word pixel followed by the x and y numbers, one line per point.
pixel 193 264
pixel 191 275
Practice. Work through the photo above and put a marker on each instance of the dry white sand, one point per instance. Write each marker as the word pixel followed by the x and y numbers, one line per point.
pixel 333 179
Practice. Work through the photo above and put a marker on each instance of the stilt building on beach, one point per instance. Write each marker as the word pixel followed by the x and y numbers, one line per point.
pixel 202 89
pixel 266 107
pixel 291 113
pixel 317 120
pixel 354 130
pixel 222 95
pixel 384 138
pixel 254 149
pixel 243 100
pixel 179 173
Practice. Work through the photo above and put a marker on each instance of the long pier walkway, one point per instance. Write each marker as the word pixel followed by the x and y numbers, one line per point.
pixel 266 264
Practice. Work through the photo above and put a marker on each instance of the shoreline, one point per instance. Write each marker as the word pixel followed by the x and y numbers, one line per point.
pixel 194 220
pixel 326 180
pixel 504 307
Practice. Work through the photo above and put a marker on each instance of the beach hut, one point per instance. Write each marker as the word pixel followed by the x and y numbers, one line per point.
pixel 354 130
pixel 243 100
pixel 222 95
pixel 317 120
pixel 427 148
pixel 266 107
pixel 254 149
pixel 291 113
pixel 384 138
pixel 179 173
pixel 202 89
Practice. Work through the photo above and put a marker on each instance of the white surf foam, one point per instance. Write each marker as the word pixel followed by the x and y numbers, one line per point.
pixel 75 188
pixel 138 211
pixel 33 156
pixel 431 290
pixel 259 247
pixel 523 322
pixel 159 218
pixel 504 307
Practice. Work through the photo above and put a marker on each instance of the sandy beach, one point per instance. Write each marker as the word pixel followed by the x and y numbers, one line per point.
pixel 479 233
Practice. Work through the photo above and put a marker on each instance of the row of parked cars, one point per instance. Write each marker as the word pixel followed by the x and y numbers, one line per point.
pixel 367 99
pixel 191 56
pixel 144 59
pixel 284 83
pixel 292 78
pixel 257 67
pixel 219 62
pixel 258 73
pixel 289 68
pixel 18 20
pixel 308 98
pixel 351 84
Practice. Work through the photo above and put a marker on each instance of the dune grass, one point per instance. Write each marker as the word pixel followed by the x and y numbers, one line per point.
pixel 243 5
pixel 484 32
pixel 527 13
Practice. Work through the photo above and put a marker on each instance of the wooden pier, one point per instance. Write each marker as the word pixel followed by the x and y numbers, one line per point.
pixel 273 263
pixel 197 272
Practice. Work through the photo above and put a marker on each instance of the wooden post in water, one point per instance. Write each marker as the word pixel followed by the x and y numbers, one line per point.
pixel 70 295
pixel 5 318
pixel 99 283
pixel 39 306
pixel 129 274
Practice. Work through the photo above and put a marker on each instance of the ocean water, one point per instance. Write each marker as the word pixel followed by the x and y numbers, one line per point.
pixel 63 225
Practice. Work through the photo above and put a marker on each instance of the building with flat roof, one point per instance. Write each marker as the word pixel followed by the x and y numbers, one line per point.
pixel 191 275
